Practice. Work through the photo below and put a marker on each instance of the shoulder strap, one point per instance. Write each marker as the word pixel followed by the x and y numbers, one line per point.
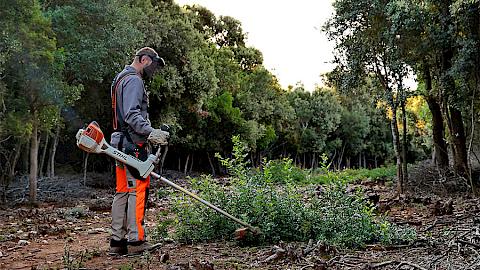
pixel 115 109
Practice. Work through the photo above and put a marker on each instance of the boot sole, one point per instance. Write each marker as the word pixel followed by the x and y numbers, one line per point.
pixel 152 248
pixel 115 254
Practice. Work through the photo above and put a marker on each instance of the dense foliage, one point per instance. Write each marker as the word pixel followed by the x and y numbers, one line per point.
pixel 438 41
pixel 57 59
pixel 287 212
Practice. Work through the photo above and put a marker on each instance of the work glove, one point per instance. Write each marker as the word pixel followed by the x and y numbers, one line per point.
pixel 158 136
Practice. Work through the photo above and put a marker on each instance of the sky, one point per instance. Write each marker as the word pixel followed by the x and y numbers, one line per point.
pixel 286 32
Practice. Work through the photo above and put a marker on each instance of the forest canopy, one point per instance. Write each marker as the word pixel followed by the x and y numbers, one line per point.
pixel 58 59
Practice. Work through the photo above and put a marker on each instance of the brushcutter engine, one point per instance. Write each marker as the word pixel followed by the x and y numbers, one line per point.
pixel 92 140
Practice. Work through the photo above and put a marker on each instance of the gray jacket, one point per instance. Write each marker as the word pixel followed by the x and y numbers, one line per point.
pixel 132 102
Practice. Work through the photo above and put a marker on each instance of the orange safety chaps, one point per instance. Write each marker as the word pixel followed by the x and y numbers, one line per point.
pixel 129 206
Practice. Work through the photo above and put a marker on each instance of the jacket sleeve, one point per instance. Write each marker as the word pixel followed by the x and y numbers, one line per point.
pixel 133 92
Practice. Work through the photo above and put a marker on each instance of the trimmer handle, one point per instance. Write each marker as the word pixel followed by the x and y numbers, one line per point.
pixel 165 127
pixel 158 154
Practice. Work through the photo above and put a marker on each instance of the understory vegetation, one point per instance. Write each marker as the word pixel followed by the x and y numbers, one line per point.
pixel 282 171
pixel 271 200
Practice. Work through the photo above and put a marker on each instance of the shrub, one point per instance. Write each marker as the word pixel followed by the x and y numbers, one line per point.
pixel 381 173
pixel 353 175
pixel 283 171
pixel 282 213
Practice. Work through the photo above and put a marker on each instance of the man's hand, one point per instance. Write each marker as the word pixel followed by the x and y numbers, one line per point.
pixel 158 136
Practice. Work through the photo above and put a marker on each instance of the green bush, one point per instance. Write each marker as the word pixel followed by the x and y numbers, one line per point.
pixel 353 175
pixel 283 171
pixel 381 173
pixel 281 212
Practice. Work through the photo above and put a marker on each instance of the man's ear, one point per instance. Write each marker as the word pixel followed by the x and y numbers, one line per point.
pixel 143 59
pixel 146 58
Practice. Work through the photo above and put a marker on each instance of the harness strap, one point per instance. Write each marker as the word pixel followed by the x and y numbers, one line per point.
pixel 115 109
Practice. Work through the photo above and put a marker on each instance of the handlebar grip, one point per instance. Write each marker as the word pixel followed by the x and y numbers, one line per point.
pixel 165 127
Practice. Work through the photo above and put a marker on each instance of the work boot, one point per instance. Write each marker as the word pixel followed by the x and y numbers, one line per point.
pixel 140 247
pixel 118 248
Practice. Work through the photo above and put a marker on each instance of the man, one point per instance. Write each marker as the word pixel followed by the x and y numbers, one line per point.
pixel 132 131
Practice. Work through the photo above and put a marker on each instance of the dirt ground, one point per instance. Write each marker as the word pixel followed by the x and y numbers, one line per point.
pixel 69 229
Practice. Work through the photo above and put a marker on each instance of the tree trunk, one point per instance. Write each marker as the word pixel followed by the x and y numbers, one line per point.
pixel 340 158
pixel 460 163
pixel 304 161
pixel 449 124
pixel 396 148
pixel 25 158
pixel 54 151
pixel 211 164
pixel 191 163
pixel 404 143
pixel 13 164
pixel 474 182
pixel 85 164
pixel 32 179
pixel 49 171
pixel 186 164
pixel 453 114
pixel 164 155
pixel 313 161
pixel 439 144
pixel 44 154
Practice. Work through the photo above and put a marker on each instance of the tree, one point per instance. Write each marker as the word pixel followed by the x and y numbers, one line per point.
pixel 354 127
pixel 33 75
pixel 181 91
pixel 367 44
pixel 423 20
pixel 9 143
pixel 466 70
pixel 364 126
pixel 317 116
pixel 98 39
pixel 445 59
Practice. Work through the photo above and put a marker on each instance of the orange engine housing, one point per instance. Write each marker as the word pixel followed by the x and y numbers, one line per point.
pixel 93 131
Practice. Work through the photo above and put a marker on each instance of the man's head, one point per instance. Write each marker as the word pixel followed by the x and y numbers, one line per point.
pixel 147 62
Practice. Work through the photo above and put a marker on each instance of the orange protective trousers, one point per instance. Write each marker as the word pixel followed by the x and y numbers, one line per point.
pixel 129 205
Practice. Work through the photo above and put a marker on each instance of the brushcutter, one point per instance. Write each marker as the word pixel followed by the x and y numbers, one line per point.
pixel 92 140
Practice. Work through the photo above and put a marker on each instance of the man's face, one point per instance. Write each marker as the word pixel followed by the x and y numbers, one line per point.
pixel 150 66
